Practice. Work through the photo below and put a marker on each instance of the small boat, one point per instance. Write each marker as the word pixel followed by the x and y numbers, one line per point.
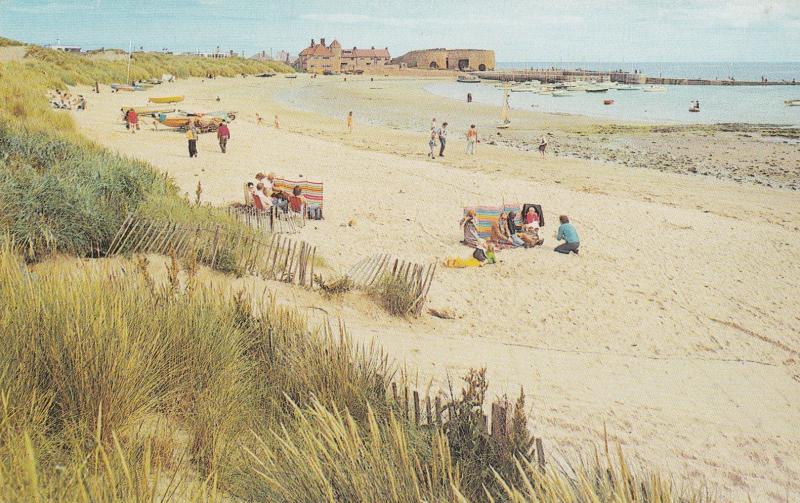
pixel 126 87
pixel 608 102
pixel 166 99
pixel 290 76
pixel 792 103
pixel 524 89
pixel 596 89
pixel 627 87
pixel 694 109
pixel 560 94
pixel 468 79
pixel 654 89
pixel 174 120
pixel 266 74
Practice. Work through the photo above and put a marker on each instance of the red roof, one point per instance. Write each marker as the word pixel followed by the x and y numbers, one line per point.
pixel 317 50
pixel 366 53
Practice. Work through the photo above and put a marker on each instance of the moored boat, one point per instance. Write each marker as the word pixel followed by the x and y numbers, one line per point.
pixel 166 99
pixel 792 103
pixel 608 102
pixel 627 87
pixel 468 79
pixel 560 93
pixel 654 89
pixel 596 89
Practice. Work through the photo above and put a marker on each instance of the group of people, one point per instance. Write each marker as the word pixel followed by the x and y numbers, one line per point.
pixel 507 233
pixel 66 101
pixel 438 136
pixel 263 195
pixel 260 121
pixel 193 134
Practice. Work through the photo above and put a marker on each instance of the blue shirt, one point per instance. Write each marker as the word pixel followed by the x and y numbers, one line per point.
pixel 568 233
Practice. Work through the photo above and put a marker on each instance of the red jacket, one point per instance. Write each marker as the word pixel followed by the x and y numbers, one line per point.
pixel 223 131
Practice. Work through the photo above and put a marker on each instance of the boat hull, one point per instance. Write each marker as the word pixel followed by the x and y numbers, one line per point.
pixel 166 99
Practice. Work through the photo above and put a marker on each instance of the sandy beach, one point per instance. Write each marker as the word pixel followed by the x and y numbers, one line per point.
pixel 676 329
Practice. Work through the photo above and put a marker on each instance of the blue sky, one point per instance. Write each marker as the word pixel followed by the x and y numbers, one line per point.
pixel 518 30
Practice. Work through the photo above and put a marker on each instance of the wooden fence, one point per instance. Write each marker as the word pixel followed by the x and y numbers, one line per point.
pixel 437 413
pixel 419 277
pixel 228 249
pixel 273 221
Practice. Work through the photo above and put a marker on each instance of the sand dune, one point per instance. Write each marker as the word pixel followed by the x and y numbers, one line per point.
pixel 677 326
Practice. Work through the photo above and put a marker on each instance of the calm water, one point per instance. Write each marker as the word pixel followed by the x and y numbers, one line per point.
pixel 739 71
pixel 745 104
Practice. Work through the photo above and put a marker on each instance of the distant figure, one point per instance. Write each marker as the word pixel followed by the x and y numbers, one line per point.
pixel 442 138
pixel 350 121
pixel 81 103
pixel 433 123
pixel 542 145
pixel 191 136
pixel 223 135
pixel 96 87
pixel 567 233
pixel 432 144
pixel 259 120
pixel 133 120
pixel 469 97
pixel 472 139
pixel 277 123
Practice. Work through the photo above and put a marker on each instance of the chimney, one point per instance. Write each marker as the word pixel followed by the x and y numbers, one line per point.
pixel 312 43
pixel 322 41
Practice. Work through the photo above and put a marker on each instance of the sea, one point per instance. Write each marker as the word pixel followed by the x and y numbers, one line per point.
pixel 718 104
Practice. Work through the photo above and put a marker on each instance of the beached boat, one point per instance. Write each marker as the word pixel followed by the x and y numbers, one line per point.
pixel 627 87
pixel 654 89
pixel 126 87
pixel 290 76
pixel 266 74
pixel 792 103
pixel 166 99
pixel 468 79
pixel 177 120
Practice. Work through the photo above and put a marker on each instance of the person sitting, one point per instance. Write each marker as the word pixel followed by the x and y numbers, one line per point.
pixel 260 198
pixel 480 257
pixel 515 230
pixel 515 240
pixel 297 203
pixel 471 237
pixel 249 190
pixel 498 237
pixel 568 233
pixel 531 225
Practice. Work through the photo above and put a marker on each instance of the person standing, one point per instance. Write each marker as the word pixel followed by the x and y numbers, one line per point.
pixel 567 232
pixel 442 138
pixel 472 139
pixel 191 136
pixel 350 121
pixel 223 135
pixel 133 120
pixel 432 144
pixel 542 145
pixel 277 122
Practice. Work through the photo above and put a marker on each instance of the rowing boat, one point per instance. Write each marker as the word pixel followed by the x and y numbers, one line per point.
pixel 166 99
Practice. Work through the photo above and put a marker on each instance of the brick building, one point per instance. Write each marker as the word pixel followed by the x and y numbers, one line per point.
pixel 321 58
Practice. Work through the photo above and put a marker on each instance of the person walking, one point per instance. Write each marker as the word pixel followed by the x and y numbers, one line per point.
pixel 542 145
pixel 432 144
pixel 472 139
pixel 277 122
pixel 442 138
pixel 223 135
pixel 350 121
pixel 133 120
pixel 191 136
pixel 567 233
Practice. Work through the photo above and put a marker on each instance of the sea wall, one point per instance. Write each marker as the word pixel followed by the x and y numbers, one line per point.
pixel 449 59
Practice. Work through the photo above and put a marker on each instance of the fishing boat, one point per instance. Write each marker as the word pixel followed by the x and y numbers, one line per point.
pixel 596 89
pixel 505 122
pixel 608 102
pixel 166 99
pixel 560 93
pixel 627 87
pixel 792 103
pixel 468 79
pixel 654 89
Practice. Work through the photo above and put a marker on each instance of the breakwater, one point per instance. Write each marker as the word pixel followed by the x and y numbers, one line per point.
pixel 557 75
